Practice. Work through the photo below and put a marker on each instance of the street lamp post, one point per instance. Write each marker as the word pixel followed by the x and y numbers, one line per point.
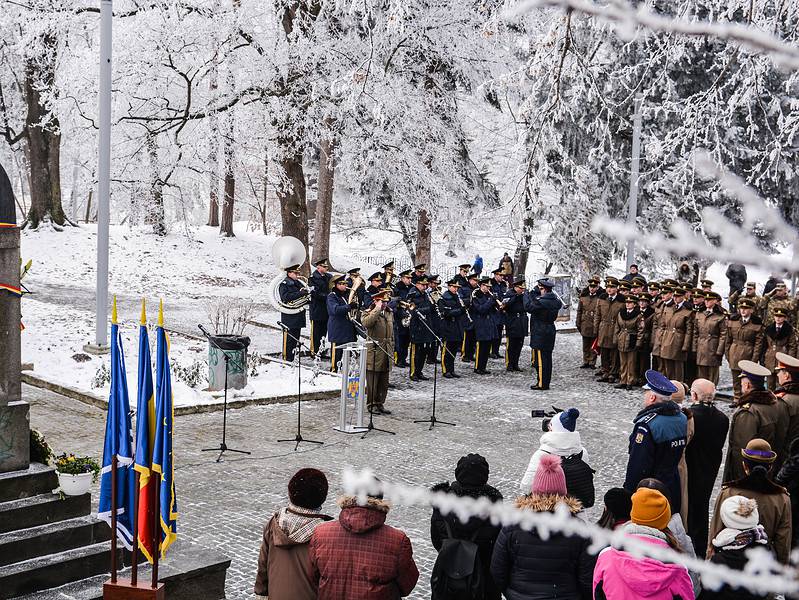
pixel 632 206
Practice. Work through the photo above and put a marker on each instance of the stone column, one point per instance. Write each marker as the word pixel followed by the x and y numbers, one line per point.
pixel 14 416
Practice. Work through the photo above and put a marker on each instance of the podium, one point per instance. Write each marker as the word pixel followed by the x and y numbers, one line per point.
pixel 353 386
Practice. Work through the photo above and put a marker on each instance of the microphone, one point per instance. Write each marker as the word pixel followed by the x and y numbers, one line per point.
pixel 283 326
pixel 205 333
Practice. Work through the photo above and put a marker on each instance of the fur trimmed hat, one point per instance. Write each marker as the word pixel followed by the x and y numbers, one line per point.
pixel 308 488
pixel 739 512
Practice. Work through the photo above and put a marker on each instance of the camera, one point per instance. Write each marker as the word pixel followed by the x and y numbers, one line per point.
pixel 545 415
pixel 538 413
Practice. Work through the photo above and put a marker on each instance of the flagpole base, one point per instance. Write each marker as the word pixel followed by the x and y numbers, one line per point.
pixel 123 590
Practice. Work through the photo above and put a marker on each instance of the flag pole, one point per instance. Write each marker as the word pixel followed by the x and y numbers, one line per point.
pixel 134 555
pixel 156 526
pixel 114 519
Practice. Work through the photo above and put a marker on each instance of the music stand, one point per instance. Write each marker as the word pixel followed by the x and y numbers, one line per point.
pixel 432 418
pixel 297 439
pixel 223 447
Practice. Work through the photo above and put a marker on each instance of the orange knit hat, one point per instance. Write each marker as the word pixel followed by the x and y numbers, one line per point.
pixel 650 508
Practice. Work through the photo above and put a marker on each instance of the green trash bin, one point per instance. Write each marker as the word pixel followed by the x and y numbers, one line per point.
pixel 235 348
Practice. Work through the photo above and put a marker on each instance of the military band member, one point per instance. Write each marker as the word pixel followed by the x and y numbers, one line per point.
pixel 608 309
pixel 516 324
pixel 627 341
pixel 463 273
pixel 379 323
pixel 677 324
pixel 749 292
pixel 779 337
pixel 453 317
pixel 744 340
pixel 320 288
pixel 290 289
pixel 643 346
pixel 354 278
pixel 485 326
pixel 375 285
pixel 709 338
pixel 469 335
pixel 421 327
pixel 419 270
pixel 543 307
pixel 388 275
pixel 340 329
pixel 434 293
pixel 402 334
pixel 498 287
pixel 584 321
pixel 777 298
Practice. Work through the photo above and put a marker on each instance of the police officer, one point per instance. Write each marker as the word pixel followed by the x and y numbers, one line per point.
pixel 484 305
pixel 402 334
pixel 469 337
pixel 516 324
pixel 658 439
pixel 758 414
pixel 340 329
pixel 453 316
pixel 584 321
pixel 422 337
pixel 290 289
pixel 498 287
pixel 320 288
pixel 543 306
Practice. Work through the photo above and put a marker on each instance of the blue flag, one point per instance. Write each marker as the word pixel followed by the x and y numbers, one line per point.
pixel 118 442
pixel 162 451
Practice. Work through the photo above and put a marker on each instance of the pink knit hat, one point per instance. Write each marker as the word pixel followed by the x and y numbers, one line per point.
pixel 549 477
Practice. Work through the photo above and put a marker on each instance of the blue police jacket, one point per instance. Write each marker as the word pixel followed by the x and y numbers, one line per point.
pixel 340 329
pixel 543 309
pixel 516 321
pixel 657 443
pixel 289 290
pixel 320 288
pixel 453 316
pixel 484 306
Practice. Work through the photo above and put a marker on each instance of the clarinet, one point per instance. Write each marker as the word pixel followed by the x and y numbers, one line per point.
pixel 435 304
pixel 466 310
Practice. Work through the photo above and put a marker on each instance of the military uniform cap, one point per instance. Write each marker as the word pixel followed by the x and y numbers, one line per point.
pixel 292 269
pixel 322 263
pixel 754 372
pixel 611 281
pixel 687 286
pixel 659 383
pixel 786 362
pixel 780 312
pixel 546 282
pixel 759 451
pixel 639 281
pixel 435 278
pixel 671 282
pixel 420 266
pixel 712 296
pixel 593 281
pixel 419 279
pixel 746 303
pixel 465 266
pixel 666 289
pixel 751 284
pixel 679 291
pixel 338 279
pixel 698 291
pixel 376 275
pixel 381 294
pixel 472 276
pixel 706 283
pixel 485 280
pixel 644 298
pixel 654 285
pixel 354 271
pixel 624 286
pixel 388 265
pixel 631 298
pixel 496 272
pixel 519 283
pixel 454 282
pixel 405 273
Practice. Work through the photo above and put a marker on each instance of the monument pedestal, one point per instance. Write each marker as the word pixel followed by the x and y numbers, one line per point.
pixel 14 436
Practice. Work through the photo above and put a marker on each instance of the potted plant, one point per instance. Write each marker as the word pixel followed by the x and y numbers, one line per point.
pixel 76 473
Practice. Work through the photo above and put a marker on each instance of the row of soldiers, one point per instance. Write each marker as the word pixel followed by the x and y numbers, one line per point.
pixel 680 330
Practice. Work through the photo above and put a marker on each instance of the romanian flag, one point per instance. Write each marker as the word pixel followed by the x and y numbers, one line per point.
pixel 118 443
pixel 145 440
pixel 162 449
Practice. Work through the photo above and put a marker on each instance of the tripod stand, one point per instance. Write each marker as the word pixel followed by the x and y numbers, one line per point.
pixel 223 447
pixel 432 418
pixel 297 439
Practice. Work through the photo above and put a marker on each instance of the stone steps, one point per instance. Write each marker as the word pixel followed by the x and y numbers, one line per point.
pixel 40 509
pixel 53 570
pixel 25 544
pixel 36 479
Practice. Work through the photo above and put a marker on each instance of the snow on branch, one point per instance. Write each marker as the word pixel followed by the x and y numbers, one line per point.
pixel 627 18
pixel 733 242
pixel 761 574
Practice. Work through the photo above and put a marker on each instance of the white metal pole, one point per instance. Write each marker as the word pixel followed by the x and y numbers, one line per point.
pixel 104 173
pixel 632 206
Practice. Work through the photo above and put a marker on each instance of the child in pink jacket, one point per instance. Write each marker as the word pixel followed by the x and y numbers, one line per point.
pixel 620 576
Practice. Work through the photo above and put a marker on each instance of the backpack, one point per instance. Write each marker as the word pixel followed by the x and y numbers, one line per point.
pixel 579 478
pixel 457 573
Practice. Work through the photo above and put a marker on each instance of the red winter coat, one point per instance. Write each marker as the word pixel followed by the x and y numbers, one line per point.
pixel 359 557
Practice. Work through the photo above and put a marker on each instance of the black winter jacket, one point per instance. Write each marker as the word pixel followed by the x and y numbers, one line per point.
pixel 486 532
pixel 736 274
pixel 525 567
pixel 736 560
pixel 788 477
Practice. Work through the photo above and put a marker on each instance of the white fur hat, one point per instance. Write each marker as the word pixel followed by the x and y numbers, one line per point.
pixel 739 512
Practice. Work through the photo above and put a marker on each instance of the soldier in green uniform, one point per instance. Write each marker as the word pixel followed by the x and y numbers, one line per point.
pixel 608 309
pixel 710 336
pixel 744 340
pixel 584 321
pixel 750 292
pixel 777 298
pixel 780 336
pixel 644 343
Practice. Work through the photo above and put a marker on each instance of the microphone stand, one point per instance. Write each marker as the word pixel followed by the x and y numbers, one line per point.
pixel 432 418
pixel 223 447
pixel 297 439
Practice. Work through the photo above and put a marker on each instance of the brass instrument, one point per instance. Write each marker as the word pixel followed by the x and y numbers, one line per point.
pixel 408 307
pixel 354 313
pixel 288 251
